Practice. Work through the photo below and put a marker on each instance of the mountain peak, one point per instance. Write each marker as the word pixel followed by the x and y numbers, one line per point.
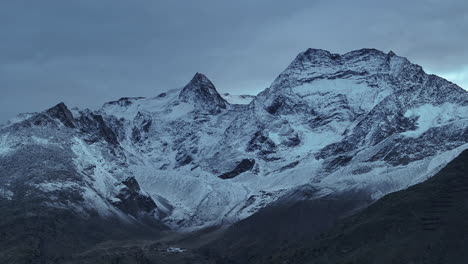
pixel 319 56
pixel 62 113
pixel 316 56
pixel 203 94
pixel 201 77
pixel 312 51
pixel 313 64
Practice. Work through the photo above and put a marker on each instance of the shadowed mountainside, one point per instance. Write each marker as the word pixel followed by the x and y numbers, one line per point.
pixel 426 223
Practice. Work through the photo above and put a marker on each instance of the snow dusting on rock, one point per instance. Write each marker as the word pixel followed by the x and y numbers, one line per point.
pixel 193 158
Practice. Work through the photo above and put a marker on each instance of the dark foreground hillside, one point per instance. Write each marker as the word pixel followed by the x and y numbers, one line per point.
pixel 282 225
pixel 424 224
pixel 40 235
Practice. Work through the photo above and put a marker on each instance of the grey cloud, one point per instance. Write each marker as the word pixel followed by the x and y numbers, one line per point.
pixel 87 52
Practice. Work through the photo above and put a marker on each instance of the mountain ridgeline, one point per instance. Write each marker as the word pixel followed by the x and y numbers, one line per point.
pixel 332 131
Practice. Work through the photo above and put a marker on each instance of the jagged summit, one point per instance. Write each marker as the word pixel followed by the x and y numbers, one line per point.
pixel 364 52
pixel 321 56
pixel 318 55
pixel 61 112
pixel 317 64
pixel 202 93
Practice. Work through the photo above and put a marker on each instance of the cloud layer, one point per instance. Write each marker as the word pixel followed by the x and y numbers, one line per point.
pixel 87 52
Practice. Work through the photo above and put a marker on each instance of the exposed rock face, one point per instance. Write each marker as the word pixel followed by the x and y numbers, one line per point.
pixel 62 113
pixel 243 166
pixel 364 120
pixel 133 201
pixel 202 93
pixel 94 125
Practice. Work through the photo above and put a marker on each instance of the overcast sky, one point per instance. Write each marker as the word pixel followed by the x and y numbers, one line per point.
pixel 87 52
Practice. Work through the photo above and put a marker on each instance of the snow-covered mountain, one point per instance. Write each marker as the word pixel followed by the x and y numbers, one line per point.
pixel 192 158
